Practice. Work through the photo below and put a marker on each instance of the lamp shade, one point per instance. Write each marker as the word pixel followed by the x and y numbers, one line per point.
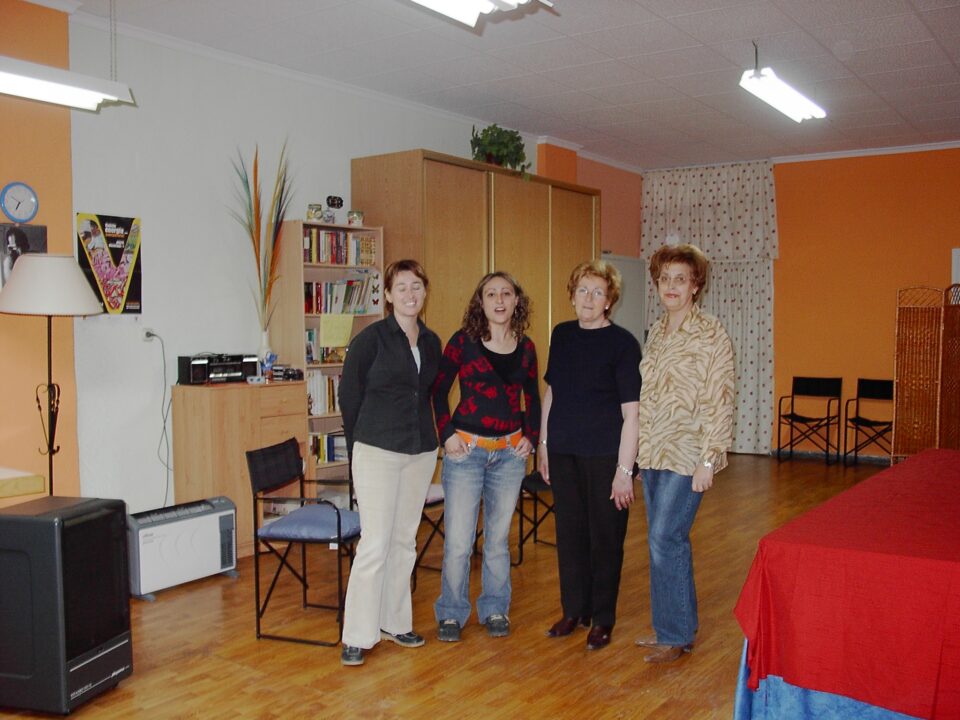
pixel 52 285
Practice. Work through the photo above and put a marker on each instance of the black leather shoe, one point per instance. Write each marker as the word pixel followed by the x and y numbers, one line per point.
pixel 566 625
pixel 599 637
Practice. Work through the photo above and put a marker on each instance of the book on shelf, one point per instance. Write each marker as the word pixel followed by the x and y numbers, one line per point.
pixel 322 391
pixel 329 246
pixel 360 295
pixel 328 447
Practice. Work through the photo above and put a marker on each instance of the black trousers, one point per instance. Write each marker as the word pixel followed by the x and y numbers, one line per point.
pixel 590 535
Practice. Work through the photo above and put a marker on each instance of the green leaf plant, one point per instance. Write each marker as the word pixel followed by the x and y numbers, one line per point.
pixel 499 146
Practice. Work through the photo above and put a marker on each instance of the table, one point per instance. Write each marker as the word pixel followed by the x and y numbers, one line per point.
pixel 16 483
pixel 860 597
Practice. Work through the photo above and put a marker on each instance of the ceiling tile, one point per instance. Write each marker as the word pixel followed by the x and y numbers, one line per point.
pixel 630 40
pixel 735 23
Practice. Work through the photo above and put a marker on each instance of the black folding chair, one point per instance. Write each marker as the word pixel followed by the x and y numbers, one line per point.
pixel 434 523
pixel 866 431
pixel 311 521
pixel 817 428
pixel 534 506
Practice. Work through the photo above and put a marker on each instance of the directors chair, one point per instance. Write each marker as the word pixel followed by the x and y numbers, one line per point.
pixel 817 424
pixel 534 506
pixel 434 524
pixel 302 521
pixel 866 431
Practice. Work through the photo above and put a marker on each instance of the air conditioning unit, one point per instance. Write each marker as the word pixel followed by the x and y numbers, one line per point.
pixel 181 543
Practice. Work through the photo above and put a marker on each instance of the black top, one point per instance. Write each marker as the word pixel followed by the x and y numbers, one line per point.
pixel 590 373
pixel 385 402
pixel 495 399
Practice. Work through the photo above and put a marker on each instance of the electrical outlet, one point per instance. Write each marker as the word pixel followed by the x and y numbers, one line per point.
pixel 148 334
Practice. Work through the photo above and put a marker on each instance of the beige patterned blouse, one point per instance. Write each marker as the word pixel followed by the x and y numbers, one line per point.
pixel 686 402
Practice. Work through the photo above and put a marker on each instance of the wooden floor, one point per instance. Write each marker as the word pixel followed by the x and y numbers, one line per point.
pixel 195 654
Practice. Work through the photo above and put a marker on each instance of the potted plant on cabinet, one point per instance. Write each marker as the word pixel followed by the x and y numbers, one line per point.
pixel 499 146
pixel 264 238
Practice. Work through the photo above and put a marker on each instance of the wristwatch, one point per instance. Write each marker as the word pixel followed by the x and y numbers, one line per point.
pixel 707 464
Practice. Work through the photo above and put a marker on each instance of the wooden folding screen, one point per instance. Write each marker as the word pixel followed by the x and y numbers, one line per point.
pixel 927 371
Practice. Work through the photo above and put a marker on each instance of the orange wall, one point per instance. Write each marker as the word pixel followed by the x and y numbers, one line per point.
pixel 852 232
pixel 36 150
pixel 620 203
pixel 556 163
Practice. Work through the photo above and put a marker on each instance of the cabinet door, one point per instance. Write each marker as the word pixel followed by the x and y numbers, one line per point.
pixel 573 233
pixel 455 241
pixel 521 246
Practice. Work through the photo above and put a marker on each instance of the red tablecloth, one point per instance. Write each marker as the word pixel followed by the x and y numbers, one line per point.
pixel 861 595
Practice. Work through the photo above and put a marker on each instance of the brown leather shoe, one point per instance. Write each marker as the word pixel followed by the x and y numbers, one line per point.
pixel 666 653
pixel 599 637
pixel 566 625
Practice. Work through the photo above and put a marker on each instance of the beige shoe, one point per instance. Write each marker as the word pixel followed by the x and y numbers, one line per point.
pixel 666 653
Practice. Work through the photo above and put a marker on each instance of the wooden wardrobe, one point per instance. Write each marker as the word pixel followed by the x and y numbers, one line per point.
pixel 462 219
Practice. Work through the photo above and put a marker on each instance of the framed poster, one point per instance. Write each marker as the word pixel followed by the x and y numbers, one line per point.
pixel 108 249
pixel 17 240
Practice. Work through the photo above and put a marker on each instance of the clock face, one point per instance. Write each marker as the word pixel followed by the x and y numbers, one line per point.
pixel 19 202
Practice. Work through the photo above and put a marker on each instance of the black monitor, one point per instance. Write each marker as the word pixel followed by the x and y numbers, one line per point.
pixel 64 602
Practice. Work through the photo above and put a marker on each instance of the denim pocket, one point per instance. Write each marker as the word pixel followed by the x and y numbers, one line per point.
pixel 457 459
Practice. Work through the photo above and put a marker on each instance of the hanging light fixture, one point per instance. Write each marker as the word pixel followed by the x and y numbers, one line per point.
pixel 63 87
pixel 469 11
pixel 765 84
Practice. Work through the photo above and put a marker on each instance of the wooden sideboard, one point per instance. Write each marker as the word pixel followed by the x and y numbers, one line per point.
pixel 215 425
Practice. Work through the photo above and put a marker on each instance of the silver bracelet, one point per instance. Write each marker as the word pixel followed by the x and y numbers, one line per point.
pixel 626 471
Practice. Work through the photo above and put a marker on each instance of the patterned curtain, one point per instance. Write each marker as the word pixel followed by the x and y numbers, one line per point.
pixel 729 212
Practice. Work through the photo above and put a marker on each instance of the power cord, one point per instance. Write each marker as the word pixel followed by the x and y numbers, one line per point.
pixel 163 445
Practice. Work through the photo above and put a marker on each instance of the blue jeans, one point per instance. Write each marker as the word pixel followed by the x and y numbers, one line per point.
pixel 494 476
pixel 671 508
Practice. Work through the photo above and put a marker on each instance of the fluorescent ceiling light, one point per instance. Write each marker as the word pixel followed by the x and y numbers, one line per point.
pixel 62 87
pixel 765 84
pixel 469 11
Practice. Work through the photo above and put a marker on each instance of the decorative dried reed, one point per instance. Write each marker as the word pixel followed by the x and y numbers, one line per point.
pixel 265 241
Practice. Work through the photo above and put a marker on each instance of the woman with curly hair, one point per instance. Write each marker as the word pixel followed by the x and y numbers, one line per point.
pixel 486 442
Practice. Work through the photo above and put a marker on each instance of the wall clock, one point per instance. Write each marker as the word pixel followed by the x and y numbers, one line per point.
pixel 19 202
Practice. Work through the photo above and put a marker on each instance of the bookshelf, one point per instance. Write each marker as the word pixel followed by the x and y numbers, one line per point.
pixel 330 289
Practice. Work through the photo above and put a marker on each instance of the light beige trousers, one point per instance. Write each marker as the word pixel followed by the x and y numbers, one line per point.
pixel 391 488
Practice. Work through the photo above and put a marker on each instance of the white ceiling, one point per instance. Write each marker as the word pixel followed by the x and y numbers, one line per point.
pixel 643 83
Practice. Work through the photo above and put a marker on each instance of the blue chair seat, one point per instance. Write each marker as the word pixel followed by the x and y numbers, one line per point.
pixel 312 523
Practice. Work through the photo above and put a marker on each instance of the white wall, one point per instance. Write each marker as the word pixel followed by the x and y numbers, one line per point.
pixel 168 162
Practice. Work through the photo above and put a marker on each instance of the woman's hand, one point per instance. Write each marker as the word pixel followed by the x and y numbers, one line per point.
pixel 454 446
pixel 702 479
pixel 524 447
pixel 622 490
pixel 543 464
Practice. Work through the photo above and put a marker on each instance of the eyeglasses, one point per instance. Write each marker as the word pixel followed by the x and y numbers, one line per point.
pixel 596 292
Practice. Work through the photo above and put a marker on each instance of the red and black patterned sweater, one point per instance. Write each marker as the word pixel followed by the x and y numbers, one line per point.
pixel 489 405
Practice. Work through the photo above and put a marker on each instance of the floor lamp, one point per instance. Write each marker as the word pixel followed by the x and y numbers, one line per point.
pixel 48 286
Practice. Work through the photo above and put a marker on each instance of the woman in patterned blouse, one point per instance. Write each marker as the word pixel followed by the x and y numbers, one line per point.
pixel 486 443
pixel 686 427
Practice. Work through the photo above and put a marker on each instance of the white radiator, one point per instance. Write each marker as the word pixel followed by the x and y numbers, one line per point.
pixel 181 543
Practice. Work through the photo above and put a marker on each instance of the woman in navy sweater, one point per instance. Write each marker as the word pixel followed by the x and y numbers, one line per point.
pixel 486 442
pixel 588 446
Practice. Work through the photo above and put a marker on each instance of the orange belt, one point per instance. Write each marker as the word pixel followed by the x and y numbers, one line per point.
pixel 492 443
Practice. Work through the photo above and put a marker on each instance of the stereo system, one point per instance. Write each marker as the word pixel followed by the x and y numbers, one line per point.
pixel 214 368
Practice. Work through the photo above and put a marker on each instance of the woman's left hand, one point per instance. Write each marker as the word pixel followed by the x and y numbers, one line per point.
pixel 622 491
pixel 524 447
pixel 702 479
